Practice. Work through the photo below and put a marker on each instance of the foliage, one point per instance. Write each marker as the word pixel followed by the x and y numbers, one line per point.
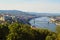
pixel 4 31
pixel 20 31
pixel 58 32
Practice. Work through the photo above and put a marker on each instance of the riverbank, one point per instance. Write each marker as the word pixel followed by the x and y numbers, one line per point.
pixel 44 23
pixel 28 21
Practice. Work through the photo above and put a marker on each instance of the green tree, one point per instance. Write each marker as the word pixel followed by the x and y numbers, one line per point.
pixel 49 38
pixel 20 31
pixel 4 31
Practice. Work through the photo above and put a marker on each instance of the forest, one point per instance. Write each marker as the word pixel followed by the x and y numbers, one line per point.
pixel 20 31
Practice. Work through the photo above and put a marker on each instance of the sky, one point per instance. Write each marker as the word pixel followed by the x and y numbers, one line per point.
pixel 41 6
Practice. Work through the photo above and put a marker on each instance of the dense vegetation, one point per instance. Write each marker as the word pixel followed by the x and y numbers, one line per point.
pixel 58 32
pixel 20 31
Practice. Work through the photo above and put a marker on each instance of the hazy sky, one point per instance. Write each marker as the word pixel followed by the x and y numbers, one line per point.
pixel 50 6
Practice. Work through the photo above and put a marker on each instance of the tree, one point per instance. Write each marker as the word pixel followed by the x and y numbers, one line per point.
pixel 20 31
pixel 49 38
pixel 4 31
pixel 14 27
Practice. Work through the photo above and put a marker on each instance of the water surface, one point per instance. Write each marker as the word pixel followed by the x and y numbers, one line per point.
pixel 43 22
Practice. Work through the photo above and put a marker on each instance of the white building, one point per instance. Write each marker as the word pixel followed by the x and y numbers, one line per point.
pixel 2 18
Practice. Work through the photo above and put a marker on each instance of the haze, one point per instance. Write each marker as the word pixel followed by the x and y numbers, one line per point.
pixel 42 6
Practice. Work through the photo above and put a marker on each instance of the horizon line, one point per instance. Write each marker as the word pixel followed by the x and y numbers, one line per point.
pixel 28 11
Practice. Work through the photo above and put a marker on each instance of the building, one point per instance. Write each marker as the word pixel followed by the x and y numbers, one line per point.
pixel 5 18
pixel 52 19
pixel 2 18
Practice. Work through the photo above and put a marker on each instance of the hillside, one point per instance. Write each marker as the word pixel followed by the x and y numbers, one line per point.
pixel 14 12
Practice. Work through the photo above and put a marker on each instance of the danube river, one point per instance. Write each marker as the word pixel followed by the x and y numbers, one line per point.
pixel 43 22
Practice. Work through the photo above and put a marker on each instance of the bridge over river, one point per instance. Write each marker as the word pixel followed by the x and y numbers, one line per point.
pixel 43 22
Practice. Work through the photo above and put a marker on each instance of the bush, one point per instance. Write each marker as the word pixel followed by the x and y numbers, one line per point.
pixel 20 31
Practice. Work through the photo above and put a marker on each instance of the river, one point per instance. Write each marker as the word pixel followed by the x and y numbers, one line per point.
pixel 43 22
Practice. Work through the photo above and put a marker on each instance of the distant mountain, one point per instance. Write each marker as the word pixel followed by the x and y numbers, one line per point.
pixel 13 12
pixel 45 14
pixel 18 13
